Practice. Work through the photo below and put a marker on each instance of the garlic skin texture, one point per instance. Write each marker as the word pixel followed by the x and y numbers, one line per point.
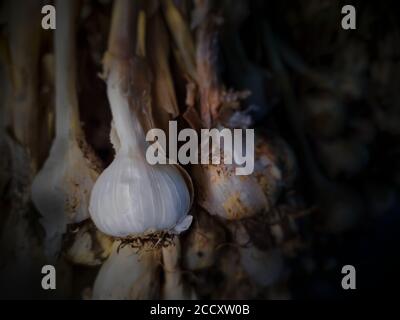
pixel 132 197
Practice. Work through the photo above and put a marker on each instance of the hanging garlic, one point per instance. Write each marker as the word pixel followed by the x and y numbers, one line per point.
pixel 221 191
pixel 21 252
pixel 174 287
pixel 128 274
pixel 132 197
pixel 61 189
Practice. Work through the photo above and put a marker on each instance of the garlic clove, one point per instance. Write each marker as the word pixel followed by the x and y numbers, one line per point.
pixel 128 274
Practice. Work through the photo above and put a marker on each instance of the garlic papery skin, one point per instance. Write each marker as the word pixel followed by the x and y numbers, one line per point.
pixel 128 274
pixel 132 197
pixel 61 189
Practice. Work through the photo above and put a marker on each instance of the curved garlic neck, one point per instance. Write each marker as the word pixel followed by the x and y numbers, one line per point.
pixel 127 124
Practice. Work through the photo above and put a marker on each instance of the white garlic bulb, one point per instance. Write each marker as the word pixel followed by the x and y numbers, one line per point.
pixel 132 197
pixel 128 274
pixel 61 189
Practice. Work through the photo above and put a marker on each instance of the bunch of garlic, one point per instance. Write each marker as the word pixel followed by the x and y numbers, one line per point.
pixel 61 189
pixel 132 197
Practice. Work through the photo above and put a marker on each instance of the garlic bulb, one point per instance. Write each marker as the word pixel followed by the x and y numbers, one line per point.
pixel 128 274
pixel 223 193
pixel 132 197
pixel 61 189
pixel 226 195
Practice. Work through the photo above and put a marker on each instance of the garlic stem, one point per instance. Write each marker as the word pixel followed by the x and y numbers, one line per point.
pixel 182 37
pixel 121 39
pixel 141 34
pixel 24 39
pixel 159 52
pixel 120 51
pixel 67 113
pixel 61 189
pixel 174 286
pixel 128 128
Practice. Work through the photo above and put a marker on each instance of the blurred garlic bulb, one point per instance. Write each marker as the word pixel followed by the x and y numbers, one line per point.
pixel 325 114
pixel 236 284
pixel 128 274
pixel 88 246
pixel 264 267
pixel 202 242
pixel 174 287
pixel 229 196
pixel 61 189
pixel 132 197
